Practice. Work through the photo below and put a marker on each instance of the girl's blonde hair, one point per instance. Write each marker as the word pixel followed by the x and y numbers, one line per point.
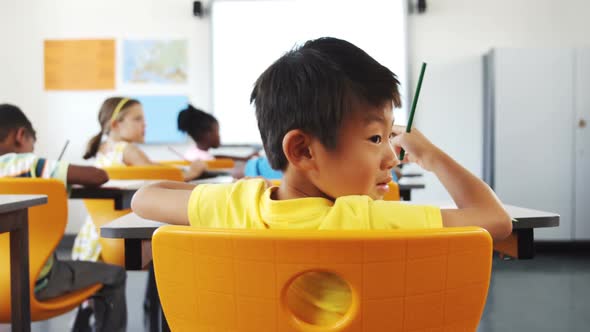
pixel 112 109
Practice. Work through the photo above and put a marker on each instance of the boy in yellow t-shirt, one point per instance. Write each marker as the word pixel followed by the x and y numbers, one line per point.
pixel 325 114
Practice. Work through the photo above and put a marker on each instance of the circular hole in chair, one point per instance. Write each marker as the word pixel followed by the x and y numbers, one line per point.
pixel 319 298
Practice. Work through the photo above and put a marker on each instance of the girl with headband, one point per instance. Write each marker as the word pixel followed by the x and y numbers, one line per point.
pixel 122 126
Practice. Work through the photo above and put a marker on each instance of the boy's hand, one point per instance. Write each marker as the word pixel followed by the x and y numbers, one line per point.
pixel 418 148
pixel 477 205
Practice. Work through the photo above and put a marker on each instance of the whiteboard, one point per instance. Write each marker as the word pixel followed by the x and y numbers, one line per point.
pixel 249 35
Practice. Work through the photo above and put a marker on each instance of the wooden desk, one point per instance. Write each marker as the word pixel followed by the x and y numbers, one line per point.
pixel 407 184
pixel 137 233
pixel 218 179
pixel 120 191
pixel 412 175
pixel 521 243
pixel 14 218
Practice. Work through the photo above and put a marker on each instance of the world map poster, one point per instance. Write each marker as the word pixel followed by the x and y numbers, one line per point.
pixel 155 61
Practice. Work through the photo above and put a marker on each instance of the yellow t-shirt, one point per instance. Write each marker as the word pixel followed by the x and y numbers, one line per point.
pixel 247 204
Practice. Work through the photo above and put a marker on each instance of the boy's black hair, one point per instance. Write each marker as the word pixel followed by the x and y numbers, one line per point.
pixel 313 87
pixel 195 123
pixel 12 118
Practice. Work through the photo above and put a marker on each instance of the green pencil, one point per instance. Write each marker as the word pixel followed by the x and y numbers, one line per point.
pixel 413 110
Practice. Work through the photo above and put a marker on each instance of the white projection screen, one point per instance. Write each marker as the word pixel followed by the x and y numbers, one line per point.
pixel 249 35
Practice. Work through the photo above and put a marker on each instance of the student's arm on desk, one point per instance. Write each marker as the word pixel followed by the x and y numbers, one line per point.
pixel 477 204
pixel 163 201
pixel 86 175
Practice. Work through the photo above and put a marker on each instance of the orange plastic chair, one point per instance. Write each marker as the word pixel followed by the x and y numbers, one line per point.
pixel 220 163
pixel 155 172
pixel 237 280
pixel 215 164
pixel 47 224
pixel 174 162
pixel 393 193
pixel 102 211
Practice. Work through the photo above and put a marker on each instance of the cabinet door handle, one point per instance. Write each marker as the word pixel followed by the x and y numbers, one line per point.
pixel 582 123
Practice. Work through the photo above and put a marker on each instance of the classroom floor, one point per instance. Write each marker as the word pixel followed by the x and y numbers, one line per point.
pixel 548 293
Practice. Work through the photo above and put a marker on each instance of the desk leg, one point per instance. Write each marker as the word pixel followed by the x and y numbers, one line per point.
pixel 19 272
pixel 133 254
pixel 134 260
pixel 526 243
pixel 156 314
pixel 406 194
pixel 520 244
pixel 123 202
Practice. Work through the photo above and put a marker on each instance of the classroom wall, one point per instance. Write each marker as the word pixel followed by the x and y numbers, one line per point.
pixel 451 36
pixel 61 115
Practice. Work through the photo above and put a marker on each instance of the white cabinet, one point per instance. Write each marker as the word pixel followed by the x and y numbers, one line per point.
pixel 534 153
pixel 582 147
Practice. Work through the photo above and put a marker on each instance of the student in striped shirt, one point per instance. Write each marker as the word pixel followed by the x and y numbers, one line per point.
pixel 17 140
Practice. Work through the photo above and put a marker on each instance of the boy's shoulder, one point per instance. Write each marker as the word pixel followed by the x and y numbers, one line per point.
pixel 31 165
pixel 242 192
pixel 16 158
pixel 243 188
pixel 391 214
pixel 16 164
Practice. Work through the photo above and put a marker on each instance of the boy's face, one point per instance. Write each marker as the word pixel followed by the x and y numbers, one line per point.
pixel 131 127
pixel 362 161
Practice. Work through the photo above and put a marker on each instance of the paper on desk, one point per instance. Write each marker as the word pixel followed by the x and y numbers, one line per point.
pixel 217 179
pixel 128 184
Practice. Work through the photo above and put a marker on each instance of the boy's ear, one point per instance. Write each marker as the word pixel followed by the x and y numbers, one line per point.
pixel 297 149
pixel 20 136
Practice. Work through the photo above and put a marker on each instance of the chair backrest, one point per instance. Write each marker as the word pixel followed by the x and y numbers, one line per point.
pixel 47 224
pixel 155 172
pixel 217 163
pixel 393 193
pixel 174 162
pixel 102 211
pixel 220 163
pixel 424 280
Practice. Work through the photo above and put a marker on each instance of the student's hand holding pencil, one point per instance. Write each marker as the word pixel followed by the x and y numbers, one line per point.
pixel 418 148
